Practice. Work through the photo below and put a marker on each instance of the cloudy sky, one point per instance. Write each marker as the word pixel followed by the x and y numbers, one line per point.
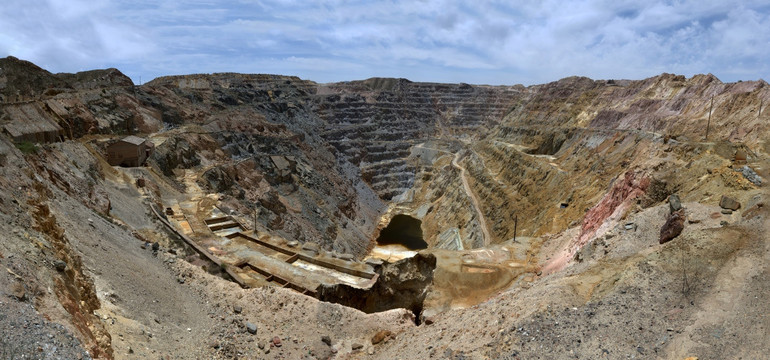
pixel 480 41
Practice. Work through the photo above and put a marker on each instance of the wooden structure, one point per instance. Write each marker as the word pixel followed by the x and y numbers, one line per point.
pixel 129 151
pixel 30 123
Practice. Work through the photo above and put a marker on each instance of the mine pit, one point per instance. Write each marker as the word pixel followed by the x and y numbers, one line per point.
pixel 401 239
pixel 512 222
pixel 403 230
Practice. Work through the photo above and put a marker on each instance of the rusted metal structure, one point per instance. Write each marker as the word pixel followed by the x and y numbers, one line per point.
pixel 129 152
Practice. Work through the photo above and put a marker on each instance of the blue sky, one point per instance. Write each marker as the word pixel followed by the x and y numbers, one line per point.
pixel 479 42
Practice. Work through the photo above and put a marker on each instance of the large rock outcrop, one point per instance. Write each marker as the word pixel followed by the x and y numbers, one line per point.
pixel 403 284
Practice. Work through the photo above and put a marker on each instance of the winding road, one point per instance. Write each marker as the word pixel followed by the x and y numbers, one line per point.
pixel 474 200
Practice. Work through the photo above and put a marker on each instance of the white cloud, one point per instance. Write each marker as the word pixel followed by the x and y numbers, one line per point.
pixel 436 40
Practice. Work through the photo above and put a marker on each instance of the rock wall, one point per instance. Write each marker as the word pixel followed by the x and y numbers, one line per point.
pixel 403 284
pixel 374 123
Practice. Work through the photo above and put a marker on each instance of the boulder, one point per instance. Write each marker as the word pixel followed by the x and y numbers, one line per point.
pixel 311 247
pixel 673 226
pixel 326 339
pixel 380 336
pixel 60 265
pixel 727 202
pixel 674 204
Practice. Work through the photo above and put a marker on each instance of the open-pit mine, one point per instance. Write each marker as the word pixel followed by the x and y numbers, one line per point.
pixel 264 216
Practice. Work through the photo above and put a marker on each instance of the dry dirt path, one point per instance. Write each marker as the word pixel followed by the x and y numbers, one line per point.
pixel 550 158
pixel 467 187
pixel 474 199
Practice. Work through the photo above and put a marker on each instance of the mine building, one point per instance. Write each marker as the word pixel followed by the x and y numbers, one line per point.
pixel 129 151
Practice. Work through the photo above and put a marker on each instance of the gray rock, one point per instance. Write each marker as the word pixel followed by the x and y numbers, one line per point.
pixel 326 340
pixel 311 247
pixel 357 346
pixel 750 175
pixel 674 204
pixel 251 328
pixel 727 211
pixel 60 265
pixel 237 309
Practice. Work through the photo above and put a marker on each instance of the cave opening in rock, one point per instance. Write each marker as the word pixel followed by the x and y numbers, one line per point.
pixel 403 230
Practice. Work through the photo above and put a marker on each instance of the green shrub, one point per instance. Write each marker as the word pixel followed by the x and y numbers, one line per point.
pixel 27 147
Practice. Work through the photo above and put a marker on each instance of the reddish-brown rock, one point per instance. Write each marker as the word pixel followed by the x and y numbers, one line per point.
pixel 727 202
pixel 673 226
pixel 625 189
